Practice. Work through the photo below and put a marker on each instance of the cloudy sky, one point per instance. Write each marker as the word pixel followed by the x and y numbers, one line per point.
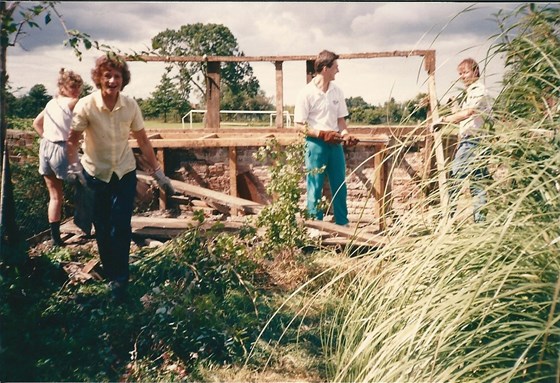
pixel 455 30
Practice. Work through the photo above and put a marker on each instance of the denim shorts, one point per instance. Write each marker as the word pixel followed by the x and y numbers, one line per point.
pixel 52 159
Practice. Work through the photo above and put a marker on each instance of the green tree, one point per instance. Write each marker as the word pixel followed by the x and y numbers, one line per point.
pixel 238 82
pixel 356 102
pixel 415 110
pixel 33 102
pixel 392 111
pixel 166 101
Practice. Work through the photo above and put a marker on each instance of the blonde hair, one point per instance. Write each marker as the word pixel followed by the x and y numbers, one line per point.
pixel 472 64
pixel 68 77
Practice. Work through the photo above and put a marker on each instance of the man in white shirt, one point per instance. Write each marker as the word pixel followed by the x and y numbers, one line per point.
pixel 475 110
pixel 319 113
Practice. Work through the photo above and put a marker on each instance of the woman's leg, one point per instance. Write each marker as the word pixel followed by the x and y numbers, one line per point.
pixel 54 212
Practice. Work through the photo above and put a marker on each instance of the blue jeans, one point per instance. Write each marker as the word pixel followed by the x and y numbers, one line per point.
pixel 465 166
pixel 112 214
pixel 319 154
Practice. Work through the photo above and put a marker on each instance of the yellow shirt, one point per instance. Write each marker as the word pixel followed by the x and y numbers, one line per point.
pixel 106 133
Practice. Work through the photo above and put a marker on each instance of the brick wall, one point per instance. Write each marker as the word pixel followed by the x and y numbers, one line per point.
pixel 17 140
pixel 209 167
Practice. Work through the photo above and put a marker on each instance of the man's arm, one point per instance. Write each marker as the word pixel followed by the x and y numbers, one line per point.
pixel 459 116
pixel 72 146
pixel 347 138
pixel 146 147
pixel 148 152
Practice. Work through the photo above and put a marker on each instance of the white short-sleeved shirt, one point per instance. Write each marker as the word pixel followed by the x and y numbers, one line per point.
pixel 57 119
pixel 106 134
pixel 476 97
pixel 321 110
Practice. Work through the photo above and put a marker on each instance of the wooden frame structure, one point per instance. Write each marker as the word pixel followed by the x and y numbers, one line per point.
pixel 214 63
pixel 213 136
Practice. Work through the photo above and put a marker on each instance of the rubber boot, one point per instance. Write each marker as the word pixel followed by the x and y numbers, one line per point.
pixel 55 233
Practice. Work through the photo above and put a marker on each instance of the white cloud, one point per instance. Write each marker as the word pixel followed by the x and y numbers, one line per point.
pixel 276 28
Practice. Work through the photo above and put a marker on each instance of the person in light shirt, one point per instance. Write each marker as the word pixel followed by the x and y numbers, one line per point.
pixel 53 126
pixel 320 113
pixel 474 111
pixel 105 119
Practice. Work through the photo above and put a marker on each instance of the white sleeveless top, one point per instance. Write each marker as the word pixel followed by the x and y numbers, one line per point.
pixel 57 119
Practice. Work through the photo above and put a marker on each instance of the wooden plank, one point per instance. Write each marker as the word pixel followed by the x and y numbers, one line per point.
pixel 348 232
pixel 207 194
pixel 379 186
pixel 369 130
pixel 223 142
pixel 167 228
pixel 214 142
pixel 214 59
pixel 430 61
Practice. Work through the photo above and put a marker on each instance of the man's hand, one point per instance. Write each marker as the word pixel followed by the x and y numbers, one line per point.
pixel 75 173
pixel 437 125
pixel 330 136
pixel 349 140
pixel 163 181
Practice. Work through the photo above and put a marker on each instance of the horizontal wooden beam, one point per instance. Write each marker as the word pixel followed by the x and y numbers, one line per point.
pixel 274 59
pixel 221 142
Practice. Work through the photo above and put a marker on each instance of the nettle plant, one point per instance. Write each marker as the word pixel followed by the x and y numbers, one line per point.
pixel 282 219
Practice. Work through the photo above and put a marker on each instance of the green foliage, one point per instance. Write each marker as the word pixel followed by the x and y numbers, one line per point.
pixel 31 104
pixel 195 299
pixel 202 302
pixel 391 112
pixel 448 300
pixel 166 101
pixel 530 42
pixel 31 195
pixel 239 83
pixel 282 218
pixel 16 123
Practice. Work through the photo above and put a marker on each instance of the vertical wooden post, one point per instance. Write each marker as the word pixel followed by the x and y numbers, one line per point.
pixel 212 95
pixel 279 94
pixel 309 70
pixel 380 183
pixel 430 65
pixel 233 175
pixel 162 194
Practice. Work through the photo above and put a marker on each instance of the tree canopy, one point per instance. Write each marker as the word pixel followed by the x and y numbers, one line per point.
pixel 240 88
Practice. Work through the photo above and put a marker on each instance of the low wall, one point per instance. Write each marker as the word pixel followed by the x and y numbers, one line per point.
pixel 209 168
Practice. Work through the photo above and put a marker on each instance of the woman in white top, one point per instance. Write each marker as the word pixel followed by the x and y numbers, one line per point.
pixel 53 125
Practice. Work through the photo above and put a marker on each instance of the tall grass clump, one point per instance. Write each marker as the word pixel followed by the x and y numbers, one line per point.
pixel 447 300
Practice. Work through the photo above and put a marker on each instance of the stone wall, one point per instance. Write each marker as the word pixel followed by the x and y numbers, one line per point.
pixel 209 168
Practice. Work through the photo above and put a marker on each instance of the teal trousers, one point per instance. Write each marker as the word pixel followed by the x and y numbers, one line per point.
pixel 331 156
